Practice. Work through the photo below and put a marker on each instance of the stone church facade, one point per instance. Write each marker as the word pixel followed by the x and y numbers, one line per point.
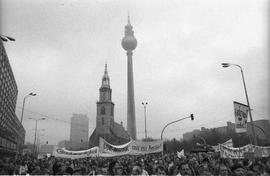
pixel 106 127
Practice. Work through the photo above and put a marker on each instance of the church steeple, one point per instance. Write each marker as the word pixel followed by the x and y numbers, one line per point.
pixel 105 78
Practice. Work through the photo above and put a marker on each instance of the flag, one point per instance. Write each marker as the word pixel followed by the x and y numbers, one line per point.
pixel 228 143
pixel 241 117
pixel 180 154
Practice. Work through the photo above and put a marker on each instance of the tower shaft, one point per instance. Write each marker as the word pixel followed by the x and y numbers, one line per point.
pixel 131 119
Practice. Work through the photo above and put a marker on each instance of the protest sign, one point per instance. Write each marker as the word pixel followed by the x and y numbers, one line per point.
pixel 241 116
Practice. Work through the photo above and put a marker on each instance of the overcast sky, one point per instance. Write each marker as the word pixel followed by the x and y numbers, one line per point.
pixel 62 46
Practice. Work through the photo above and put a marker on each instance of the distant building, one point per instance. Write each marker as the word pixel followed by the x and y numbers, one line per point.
pixel 261 128
pixel 106 127
pixel 12 133
pixel 190 135
pixel 79 132
pixel 63 144
pixel 46 149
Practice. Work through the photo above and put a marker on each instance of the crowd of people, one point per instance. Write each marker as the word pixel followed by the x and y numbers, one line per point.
pixel 151 164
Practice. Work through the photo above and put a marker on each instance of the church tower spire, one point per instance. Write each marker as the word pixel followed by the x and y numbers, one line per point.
pixel 105 78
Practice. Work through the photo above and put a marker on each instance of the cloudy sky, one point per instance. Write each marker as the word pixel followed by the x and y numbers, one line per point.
pixel 62 46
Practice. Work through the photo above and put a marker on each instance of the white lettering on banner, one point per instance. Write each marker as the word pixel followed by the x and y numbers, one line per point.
pixel 63 153
pixel 241 114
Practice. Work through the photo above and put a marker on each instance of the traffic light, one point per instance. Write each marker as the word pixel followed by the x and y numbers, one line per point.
pixel 47 142
pixel 191 116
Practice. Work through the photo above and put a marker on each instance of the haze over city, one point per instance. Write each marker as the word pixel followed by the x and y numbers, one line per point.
pixel 61 49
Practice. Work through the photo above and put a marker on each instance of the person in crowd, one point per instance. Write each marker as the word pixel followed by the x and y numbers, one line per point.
pixel 223 170
pixel 185 170
pixel 238 170
pixel 150 164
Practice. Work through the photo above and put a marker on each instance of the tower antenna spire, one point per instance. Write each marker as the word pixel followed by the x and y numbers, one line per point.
pixel 128 18
pixel 106 68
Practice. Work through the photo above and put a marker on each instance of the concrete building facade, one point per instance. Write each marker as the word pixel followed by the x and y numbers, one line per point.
pixel 12 133
pixel 79 131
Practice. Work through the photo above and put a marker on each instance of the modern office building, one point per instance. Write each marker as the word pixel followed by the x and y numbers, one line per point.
pixel 12 133
pixel 79 132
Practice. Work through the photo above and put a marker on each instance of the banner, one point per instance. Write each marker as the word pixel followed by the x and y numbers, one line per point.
pixel 109 150
pixel 63 153
pixel 242 152
pixel 141 147
pixel 132 148
pixel 233 153
pixel 241 114
pixel 228 143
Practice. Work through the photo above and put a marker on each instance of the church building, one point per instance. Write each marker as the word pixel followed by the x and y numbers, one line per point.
pixel 106 127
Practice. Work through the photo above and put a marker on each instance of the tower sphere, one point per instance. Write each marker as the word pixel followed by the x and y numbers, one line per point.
pixel 129 43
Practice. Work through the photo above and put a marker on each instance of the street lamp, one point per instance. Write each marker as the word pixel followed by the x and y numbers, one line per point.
pixel 36 132
pixel 6 38
pixel 225 65
pixel 191 117
pixel 144 105
pixel 28 95
pixel 161 136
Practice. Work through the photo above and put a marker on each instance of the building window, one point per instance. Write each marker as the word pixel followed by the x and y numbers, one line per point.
pixel 102 110
pixel 112 111
pixel 102 120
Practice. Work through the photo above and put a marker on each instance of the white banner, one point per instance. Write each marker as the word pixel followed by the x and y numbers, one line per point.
pixel 63 153
pixel 132 148
pixel 140 147
pixel 233 153
pixel 108 150
pixel 237 153
pixel 241 117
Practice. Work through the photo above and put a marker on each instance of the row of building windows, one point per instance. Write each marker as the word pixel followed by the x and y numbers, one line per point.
pixel 6 76
pixel 10 128
pixel 7 143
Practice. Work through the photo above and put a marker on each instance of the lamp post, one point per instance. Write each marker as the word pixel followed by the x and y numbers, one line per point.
pixel 161 136
pixel 28 95
pixel 144 106
pixel 191 117
pixel 225 65
pixel 6 38
pixel 38 139
pixel 36 133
